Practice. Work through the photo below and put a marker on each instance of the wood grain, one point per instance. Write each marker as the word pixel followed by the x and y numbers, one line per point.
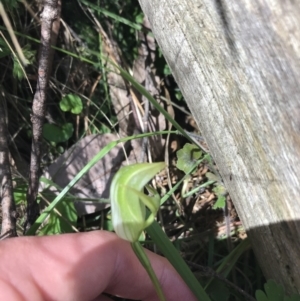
pixel 238 66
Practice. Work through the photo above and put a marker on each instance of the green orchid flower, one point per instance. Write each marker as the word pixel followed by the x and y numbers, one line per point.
pixel 128 201
pixel 128 209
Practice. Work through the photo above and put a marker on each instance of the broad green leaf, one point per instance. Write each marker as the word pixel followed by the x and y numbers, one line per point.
pixel 71 103
pixel 57 134
pixel 187 156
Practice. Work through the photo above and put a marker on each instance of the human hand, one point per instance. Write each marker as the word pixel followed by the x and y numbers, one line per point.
pixel 81 267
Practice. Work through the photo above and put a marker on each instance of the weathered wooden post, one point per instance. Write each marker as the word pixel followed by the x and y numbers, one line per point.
pixel 238 66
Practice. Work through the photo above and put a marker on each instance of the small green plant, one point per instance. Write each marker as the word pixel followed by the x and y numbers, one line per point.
pixel 186 159
pixel 187 156
pixel 57 134
pixel 154 230
pixel 72 103
pixel 59 198
pixel 274 292
pixel 64 218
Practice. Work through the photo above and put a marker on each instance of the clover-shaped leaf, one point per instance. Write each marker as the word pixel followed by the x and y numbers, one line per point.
pixel 58 134
pixel 273 292
pixel 72 103
pixel 187 157
pixel 220 203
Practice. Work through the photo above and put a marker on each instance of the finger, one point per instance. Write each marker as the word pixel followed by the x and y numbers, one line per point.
pixel 80 267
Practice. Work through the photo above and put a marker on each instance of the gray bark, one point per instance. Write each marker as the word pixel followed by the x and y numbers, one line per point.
pixel 8 208
pixel 238 66
pixel 49 31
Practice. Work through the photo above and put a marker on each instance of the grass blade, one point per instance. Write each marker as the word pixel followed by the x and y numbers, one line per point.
pixel 98 157
pixel 170 252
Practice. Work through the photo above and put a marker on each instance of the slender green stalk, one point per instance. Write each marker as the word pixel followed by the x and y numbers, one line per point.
pixel 170 252
pixel 230 260
pixel 144 260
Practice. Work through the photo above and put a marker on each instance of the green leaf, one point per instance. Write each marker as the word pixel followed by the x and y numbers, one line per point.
pixel 112 15
pixel 4 50
pixel 261 296
pixel 187 156
pixel 17 69
pixel 29 54
pixel 211 176
pixel 178 95
pixel 10 4
pixel 292 298
pixel 57 134
pixel 273 292
pixel 220 203
pixel 219 190
pixel 139 18
pixel 20 194
pixel 167 70
pixel 72 103
pixel 59 225
pixel 107 225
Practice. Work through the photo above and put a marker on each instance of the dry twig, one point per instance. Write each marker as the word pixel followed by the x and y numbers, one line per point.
pixel 49 31
pixel 8 228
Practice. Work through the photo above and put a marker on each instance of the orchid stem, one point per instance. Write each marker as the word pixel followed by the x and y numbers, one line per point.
pixel 144 260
